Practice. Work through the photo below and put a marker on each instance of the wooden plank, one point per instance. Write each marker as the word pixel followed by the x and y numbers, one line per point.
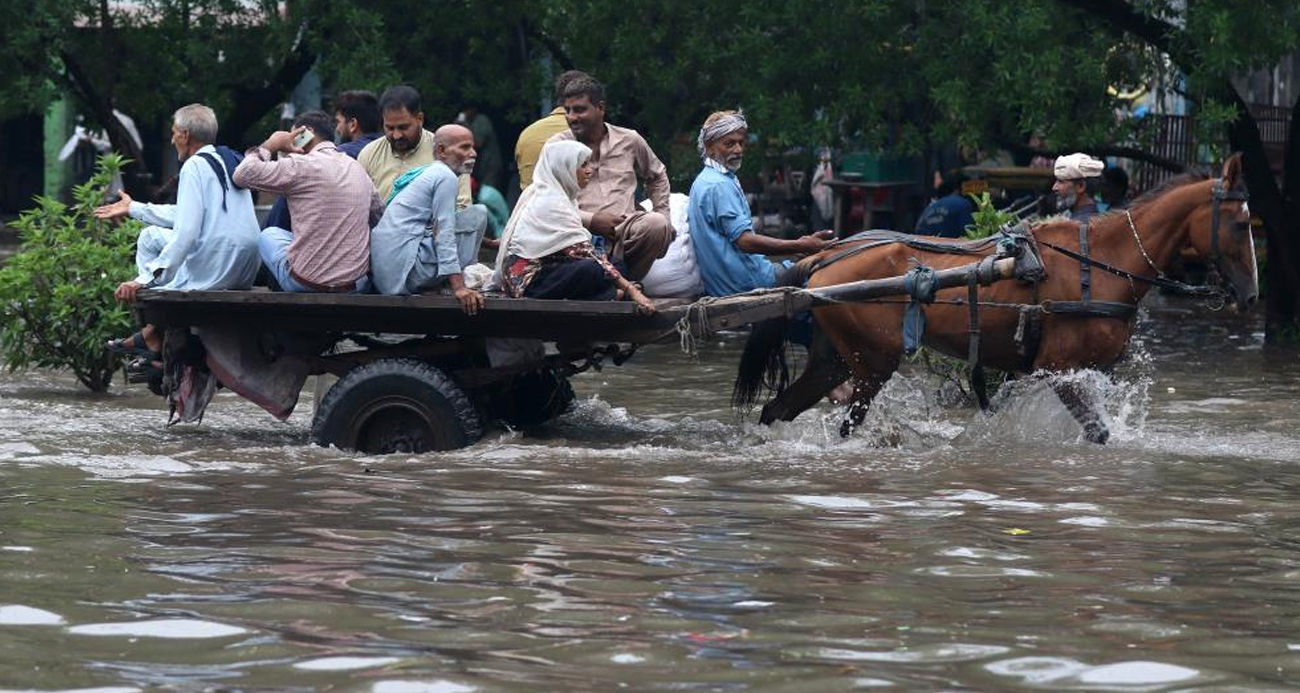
pixel 424 314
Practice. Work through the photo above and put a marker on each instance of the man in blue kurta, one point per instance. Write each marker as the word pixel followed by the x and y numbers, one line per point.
pixel 421 243
pixel 207 240
pixel 731 256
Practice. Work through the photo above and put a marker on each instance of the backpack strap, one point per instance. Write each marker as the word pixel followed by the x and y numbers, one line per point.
pixel 220 170
pixel 230 158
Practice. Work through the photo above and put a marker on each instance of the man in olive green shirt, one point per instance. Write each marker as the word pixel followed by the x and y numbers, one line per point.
pixel 405 144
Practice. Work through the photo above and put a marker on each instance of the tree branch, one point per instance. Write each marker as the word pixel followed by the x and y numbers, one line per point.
pixel 552 46
pixel 1103 150
pixel 251 103
pixel 1122 15
pixel 99 105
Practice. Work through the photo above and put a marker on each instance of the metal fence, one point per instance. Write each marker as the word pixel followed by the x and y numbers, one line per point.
pixel 1174 138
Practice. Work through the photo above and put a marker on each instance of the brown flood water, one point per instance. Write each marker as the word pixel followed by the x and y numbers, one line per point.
pixel 649 541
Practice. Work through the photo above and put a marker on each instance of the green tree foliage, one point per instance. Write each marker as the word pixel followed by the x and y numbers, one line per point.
pixel 905 74
pixel 988 219
pixel 149 57
pixel 56 294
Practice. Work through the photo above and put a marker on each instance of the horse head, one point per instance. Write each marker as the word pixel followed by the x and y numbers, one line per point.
pixel 1220 232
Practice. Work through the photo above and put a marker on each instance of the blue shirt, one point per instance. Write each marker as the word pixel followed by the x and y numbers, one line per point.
pixel 353 148
pixel 279 217
pixel 1084 213
pixel 719 214
pixel 426 206
pixel 215 245
pixel 947 216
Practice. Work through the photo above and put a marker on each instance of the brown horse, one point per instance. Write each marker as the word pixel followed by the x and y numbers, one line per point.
pixel 866 338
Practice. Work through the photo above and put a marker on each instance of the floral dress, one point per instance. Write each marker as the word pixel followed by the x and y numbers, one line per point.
pixel 520 272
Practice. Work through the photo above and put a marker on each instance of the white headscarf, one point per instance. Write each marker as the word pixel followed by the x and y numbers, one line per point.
pixel 1076 166
pixel 546 218
pixel 723 126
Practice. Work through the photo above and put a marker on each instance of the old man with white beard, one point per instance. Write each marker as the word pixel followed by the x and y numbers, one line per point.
pixel 731 256
pixel 422 243
pixel 1077 178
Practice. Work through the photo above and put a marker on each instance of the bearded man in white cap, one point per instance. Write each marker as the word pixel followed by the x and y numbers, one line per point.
pixel 1077 178
pixel 731 256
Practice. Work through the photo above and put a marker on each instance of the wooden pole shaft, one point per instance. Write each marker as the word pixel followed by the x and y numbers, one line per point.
pixel 894 286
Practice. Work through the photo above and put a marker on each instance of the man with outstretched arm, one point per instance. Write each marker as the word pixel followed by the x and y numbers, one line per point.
pixel 731 256
pixel 206 241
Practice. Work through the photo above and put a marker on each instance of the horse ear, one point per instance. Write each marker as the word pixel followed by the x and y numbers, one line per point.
pixel 1232 170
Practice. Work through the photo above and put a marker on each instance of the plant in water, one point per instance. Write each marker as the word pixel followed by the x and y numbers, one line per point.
pixel 56 293
pixel 988 220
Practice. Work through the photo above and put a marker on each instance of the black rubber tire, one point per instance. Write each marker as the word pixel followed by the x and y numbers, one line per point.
pixel 396 405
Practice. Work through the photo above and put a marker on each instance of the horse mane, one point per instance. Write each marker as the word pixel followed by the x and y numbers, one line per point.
pixel 1178 181
pixel 1190 177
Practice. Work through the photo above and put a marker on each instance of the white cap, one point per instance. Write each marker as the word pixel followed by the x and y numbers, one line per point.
pixel 1076 166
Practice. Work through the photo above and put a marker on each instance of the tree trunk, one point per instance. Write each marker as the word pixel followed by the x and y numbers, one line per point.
pixel 135 175
pixel 1281 225
pixel 251 103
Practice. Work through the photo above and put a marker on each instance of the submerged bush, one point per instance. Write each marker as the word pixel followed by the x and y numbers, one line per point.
pixel 56 294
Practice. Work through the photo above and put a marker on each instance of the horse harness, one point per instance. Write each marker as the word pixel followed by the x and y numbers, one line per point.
pixel 1020 243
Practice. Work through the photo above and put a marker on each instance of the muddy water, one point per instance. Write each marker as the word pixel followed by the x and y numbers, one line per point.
pixel 649 541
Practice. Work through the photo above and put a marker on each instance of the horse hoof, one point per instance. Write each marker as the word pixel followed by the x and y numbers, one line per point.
pixel 1096 433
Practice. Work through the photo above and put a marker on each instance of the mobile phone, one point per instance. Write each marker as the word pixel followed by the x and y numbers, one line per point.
pixel 301 139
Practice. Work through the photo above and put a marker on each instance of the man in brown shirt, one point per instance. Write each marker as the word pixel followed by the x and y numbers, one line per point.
pixel 619 158
pixel 529 147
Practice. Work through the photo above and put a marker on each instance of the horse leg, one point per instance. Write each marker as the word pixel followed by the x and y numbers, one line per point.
pixel 864 391
pixel 825 370
pixel 1084 407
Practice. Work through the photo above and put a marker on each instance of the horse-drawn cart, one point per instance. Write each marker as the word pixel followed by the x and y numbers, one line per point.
pixel 415 372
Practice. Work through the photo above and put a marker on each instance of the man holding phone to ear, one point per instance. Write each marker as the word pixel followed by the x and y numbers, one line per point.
pixel 332 203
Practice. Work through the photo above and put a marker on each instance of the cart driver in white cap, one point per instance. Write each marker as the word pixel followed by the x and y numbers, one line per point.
pixel 1077 178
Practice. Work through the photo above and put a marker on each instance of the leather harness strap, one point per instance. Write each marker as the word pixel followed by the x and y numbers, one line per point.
pixel 1085 263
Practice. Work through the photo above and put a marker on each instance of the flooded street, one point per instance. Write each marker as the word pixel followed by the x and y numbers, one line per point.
pixel 650 541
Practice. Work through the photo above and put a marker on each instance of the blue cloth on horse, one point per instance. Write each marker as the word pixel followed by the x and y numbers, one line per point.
pixel 919 282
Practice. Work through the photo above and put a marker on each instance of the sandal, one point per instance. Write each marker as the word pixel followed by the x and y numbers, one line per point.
pixel 144 370
pixel 134 345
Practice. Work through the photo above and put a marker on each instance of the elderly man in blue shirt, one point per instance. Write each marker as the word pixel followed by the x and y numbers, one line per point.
pixel 206 241
pixel 731 256
pixel 422 243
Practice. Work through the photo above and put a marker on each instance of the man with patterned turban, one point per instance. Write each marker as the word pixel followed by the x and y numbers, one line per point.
pixel 731 257
pixel 1077 178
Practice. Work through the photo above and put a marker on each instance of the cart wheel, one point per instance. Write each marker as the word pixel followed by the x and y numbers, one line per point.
pixel 396 405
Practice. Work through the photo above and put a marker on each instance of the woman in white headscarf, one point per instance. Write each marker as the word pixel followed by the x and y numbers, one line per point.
pixel 545 251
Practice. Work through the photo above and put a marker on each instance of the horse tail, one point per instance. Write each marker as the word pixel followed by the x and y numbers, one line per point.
pixel 763 364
